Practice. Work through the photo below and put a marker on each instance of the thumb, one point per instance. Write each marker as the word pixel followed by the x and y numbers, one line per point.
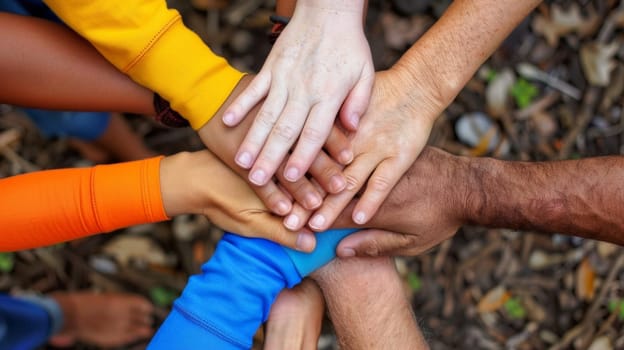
pixel 356 104
pixel 371 243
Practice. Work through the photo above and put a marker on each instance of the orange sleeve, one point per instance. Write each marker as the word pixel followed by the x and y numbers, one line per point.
pixel 54 206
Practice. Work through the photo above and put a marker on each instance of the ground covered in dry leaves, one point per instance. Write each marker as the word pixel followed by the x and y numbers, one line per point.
pixel 552 91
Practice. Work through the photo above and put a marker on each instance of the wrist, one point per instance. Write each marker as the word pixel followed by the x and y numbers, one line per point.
pixel 478 200
pixel 340 7
pixel 176 185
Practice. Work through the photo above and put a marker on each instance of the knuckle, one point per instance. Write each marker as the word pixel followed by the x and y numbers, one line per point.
pixel 371 248
pixel 313 135
pixel 285 132
pixel 266 118
pixel 353 183
pixel 380 184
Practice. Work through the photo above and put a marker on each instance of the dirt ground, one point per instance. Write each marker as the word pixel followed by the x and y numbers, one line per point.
pixel 561 74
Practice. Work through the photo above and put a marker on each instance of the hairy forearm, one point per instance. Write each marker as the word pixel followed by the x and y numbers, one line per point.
pixel 367 305
pixel 48 66
pixel 459 42
pixel 582 197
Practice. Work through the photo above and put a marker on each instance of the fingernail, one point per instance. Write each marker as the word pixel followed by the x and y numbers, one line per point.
pixel 359 218
pixel 283 207
pixel 317 222
pixel 228 118
pixel 305 242
pixel 337 183
pixel 346 157
pixel 291 174
pixel 354 118
pixel 244 160
pixel 258 177
pixel 291 221
pixel 312 201
pixel 347 252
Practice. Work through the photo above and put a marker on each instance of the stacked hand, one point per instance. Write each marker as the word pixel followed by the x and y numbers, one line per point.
pixel 320 65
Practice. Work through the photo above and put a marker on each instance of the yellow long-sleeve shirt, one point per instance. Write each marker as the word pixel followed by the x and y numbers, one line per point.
pixel 149 42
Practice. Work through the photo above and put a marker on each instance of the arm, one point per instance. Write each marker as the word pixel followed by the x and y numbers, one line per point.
pixel 580 197
pixel 367 305
pixel 149 42
pixel 76 76
pixel 413 94
pixel 320 62
pixel 53 206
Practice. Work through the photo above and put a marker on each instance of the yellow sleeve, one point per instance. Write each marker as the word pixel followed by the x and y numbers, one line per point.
pixel 149 42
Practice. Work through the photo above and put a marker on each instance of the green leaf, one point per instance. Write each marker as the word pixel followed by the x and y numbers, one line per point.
pixel 524 92
pixel 617 305
pixel 490 75
pixel 514 308
pixel 414 281
pixel 7 261
pixel 162 296
pixel 613 304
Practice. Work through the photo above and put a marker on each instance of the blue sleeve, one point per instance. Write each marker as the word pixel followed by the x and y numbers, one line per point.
pixel 325 251
pixel 223 307
pixel 23 325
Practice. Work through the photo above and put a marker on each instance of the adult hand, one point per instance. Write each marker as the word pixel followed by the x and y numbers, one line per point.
pixel 426 207
pixel 199 183
pixel 391 135
pixel 320 62
pixel 224 141
pixel 296 318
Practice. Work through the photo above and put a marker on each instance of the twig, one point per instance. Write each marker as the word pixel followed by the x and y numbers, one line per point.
pixel 587 111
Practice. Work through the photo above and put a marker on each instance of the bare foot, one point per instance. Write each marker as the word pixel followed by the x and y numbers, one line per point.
pixel 296 318
pixel 106 320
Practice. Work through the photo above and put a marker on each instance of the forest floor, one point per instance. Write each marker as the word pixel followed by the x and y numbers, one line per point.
pixel 552 91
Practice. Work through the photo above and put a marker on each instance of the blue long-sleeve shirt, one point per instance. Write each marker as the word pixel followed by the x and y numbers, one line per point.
pixel 222 307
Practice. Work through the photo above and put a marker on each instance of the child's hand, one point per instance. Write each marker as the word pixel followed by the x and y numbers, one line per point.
pixel 198 183
pixel 320 62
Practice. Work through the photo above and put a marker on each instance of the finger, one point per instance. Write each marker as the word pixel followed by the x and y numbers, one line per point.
pixel 313 136
pixel 356 175
pixel 371 243
pixel 260 129
pixel 383 180
pixel 271 228
pixel 279 142
pixel 303 191
pixel 248 99
pixel 328 174
pixel 297 217
pixel 274 198
pixel 338 146
pixel 356 103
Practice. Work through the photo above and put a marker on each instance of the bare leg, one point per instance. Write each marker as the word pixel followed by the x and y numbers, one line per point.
pixel 367 305
pixel 107 320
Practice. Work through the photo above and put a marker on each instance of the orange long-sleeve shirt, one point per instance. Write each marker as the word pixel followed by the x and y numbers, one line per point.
pixel 53 206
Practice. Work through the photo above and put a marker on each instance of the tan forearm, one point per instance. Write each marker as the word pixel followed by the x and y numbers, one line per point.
pixel 460 41
pixel 48 66
pixel 367 305
pixel 581 197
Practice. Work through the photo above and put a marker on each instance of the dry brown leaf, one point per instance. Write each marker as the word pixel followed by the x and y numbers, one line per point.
pixel 601 343
pixel 127 248
pixel 493 300
pixel 497 92
pixel 585 281
pixel 598 63
pixel 565 21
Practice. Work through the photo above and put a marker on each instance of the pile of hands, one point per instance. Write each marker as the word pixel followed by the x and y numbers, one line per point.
pixel 322 138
